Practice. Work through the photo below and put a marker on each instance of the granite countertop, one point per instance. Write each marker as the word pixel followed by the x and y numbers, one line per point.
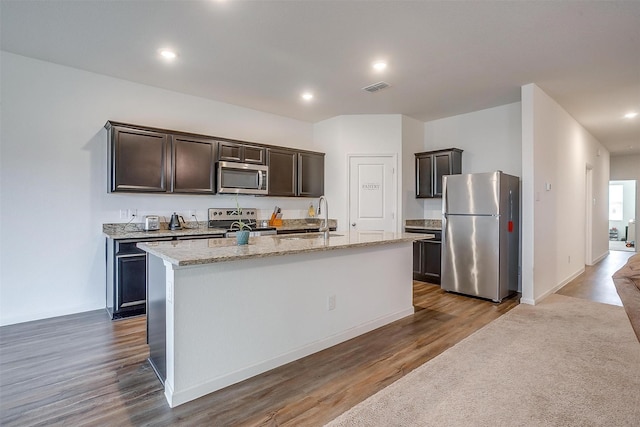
pixel 207 251
pixel 304 224
pixel 121 231
pixel 423 224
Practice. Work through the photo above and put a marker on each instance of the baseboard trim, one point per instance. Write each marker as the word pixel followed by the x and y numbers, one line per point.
pixel 178 398
pixel 600 258
pixel 559 286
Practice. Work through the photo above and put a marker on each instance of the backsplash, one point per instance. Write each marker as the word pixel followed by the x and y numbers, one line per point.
pixel 192 210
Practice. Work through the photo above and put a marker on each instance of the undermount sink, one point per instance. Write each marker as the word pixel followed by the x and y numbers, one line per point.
pixel 308 236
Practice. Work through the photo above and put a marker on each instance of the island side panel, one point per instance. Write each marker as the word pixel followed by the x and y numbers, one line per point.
pixel 233 320
pixel 156 315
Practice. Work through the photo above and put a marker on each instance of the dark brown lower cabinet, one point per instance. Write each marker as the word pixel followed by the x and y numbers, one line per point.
pixel 131 280
pixel 426 260
pixel 126 289
pixel 126 279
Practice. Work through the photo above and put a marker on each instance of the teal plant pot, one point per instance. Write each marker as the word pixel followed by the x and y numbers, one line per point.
pixel 242 237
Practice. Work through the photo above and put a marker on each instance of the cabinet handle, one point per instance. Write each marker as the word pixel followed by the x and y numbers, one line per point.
pixel 141 255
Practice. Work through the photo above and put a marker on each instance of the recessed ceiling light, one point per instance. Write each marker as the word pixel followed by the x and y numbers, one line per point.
pixel 379 65
pixel 307 96
pixel 630 115
pixel 168 54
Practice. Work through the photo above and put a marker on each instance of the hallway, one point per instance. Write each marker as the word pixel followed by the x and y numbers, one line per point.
pixel 595 284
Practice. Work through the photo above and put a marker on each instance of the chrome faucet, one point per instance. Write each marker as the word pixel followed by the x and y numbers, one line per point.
pixel 325 225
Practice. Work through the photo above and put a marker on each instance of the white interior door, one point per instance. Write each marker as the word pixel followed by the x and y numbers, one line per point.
pixel 372 193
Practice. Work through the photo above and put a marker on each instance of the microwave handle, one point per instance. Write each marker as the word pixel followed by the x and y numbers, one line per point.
pixel 260 179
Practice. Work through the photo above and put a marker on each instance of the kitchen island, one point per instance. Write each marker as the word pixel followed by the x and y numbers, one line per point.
pixel 219 313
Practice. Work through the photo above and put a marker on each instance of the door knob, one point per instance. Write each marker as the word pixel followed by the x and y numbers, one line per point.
pixel 353 224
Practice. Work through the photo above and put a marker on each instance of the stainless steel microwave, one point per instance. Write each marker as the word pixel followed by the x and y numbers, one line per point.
pixel 242 178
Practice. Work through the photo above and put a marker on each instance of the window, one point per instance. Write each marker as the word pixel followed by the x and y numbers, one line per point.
pixel 615 202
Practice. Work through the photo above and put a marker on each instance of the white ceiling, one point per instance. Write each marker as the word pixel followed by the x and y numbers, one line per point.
pixel 445 57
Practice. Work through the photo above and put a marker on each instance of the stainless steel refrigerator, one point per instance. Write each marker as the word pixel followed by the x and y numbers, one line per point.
pixel 480 238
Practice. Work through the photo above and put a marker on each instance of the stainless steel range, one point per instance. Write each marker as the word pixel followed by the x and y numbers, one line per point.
pixel 225 217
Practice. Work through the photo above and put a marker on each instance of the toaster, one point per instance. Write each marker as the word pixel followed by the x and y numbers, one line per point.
pixel 151 223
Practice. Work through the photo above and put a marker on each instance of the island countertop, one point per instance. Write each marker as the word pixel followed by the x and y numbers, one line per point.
pixel 207 251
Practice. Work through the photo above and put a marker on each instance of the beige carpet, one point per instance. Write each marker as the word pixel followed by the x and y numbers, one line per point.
pixel 564 362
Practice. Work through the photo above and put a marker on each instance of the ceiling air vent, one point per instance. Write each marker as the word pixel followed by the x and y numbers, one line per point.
pixel 376 87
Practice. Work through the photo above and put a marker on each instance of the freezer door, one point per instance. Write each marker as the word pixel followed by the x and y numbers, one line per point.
pixel 472 194
pixel 470 256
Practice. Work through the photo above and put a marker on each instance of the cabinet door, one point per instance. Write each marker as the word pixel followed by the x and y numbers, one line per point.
pixel 229 152
pixel 255 155
pixel 442 166
pixel 193 165
pixel 310 174
pixel 424 176
pixel 132 281
pixel 282 172
pixel 139 160
pixel 431 260
pixel 418 268
pixel 426 261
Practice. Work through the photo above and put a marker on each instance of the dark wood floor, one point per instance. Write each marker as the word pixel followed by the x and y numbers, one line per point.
pixel 87 370
pixel 595 283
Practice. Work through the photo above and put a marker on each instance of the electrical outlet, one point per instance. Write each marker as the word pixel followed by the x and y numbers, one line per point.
pixel 124 214
pixel 331 303
pixel 133 212
pixel 192 213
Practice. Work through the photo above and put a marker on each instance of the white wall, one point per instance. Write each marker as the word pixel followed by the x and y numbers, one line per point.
pixel 628 168
pixel 354 134
pixel 412 142
pixel 53 176
pixel 490 138
pixel 556 151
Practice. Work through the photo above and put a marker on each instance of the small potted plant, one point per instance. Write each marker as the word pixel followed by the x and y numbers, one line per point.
pixel 242 235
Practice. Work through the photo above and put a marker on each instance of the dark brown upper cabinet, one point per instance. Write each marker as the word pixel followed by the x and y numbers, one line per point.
pixel 294 173
pixel 310 174
pixel 138 159
pixel 431 166
pixel 243 153
pixel 193 166
pixel 282 172
pixel 151 160
pixel 147 160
